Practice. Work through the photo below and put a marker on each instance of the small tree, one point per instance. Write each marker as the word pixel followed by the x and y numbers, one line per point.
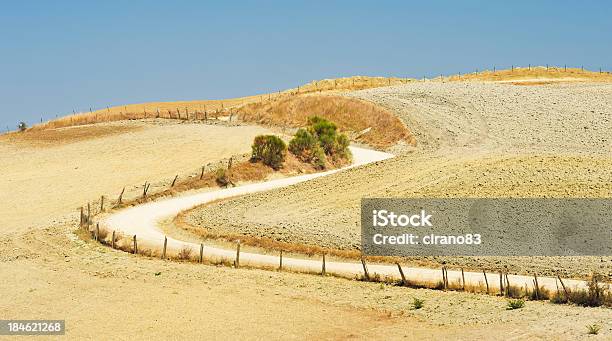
pixel 269 149
pixel 22 126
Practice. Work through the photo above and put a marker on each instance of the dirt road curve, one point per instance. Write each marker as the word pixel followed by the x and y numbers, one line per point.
pixel 474 140
pixel 143 220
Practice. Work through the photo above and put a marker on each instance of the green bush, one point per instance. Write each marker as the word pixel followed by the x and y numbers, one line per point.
pixel 270 150
pixel 515 304
pixel 319 141
pixel 302 145
pixel 306 147
pixel 342 147
pixel 325 132
pixel 417 303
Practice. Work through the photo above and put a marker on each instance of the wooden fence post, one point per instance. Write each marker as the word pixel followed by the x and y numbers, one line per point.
pixel 280 266
pixel 82 216
pixel 102 203
pixel 88 214
pixel 446 273
pixel 563 285
pixel 537 285
pixel 174 181
pixel 202 173
pixel 201 252
pixel 443 278
pixel 135 245
pixel 120 196
pixel 237 262
pixel 501 284
pixel 164 249
pixel 323 266
pixel 463 279
pixel 486 280
pixel 145 189
pixel 365 269
pixel 399 267
pixel 507 285
pixel 97 232
pixel 113 241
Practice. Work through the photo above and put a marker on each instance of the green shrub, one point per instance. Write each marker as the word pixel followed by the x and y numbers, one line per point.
pixel 306 147
pixel 417 303
pixel 342 147
pixel 319 141
pixel 318 158
pixel 593 329
pixel 303 144
pixel 22 126
pixel 270 150
pixel 516 304
pixel 325 132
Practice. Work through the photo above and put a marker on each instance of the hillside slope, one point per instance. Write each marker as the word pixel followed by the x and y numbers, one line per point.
pixel 474 140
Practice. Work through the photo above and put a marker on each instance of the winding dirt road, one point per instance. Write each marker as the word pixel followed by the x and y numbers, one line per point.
pixel 143 220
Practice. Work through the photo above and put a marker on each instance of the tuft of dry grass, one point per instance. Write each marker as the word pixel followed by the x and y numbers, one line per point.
pixel 593 329
pixel 184 253
pixel 351 115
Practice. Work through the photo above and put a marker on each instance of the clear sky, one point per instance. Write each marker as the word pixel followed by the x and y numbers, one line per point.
pixel 56 56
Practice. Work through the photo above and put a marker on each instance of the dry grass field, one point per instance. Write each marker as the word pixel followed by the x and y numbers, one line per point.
pixel 351 115
pixel 535 75
pixel 202 109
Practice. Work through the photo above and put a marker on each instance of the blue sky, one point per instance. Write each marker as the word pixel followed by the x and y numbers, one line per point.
pixel 56 56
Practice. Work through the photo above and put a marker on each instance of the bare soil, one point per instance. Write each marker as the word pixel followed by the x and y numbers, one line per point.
pixel 474 140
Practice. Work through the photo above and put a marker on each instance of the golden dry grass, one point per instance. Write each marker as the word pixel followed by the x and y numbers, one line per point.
pixel 535 75
pixel 351 115
pixel 48 137
pixel 199 109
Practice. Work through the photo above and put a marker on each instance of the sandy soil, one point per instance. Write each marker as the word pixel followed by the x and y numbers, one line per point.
pixel 41 182
pixel 475 140
pixel 104 293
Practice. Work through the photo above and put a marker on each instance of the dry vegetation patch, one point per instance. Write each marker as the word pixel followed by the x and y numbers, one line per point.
pixel 535 75
pixel 57 136
pixel 350 115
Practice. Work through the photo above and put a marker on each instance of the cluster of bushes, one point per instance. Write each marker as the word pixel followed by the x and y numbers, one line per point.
pixel 317 144
pixel 320 142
